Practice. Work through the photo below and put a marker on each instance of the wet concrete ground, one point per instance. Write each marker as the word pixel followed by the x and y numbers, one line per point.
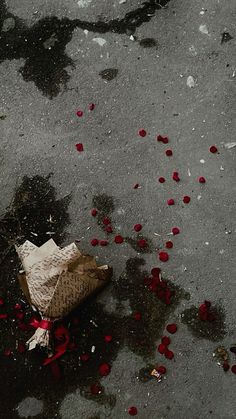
pixel 137 62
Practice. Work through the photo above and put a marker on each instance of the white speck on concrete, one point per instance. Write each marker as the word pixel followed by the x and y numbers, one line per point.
pixel 120 211
pixel 84 3
pixel 131 38
pixel 100 41
pixel 202 12
pixel 30 407
pixel 189 173
pixel 122 1
pixel 203 29
pixel 222 168
pixel 193 50
pixel 202 161
pixel 199 197
pixel 86 32
pixel 190 81
pixel 221 251
pixel 230 145
pixel 207 243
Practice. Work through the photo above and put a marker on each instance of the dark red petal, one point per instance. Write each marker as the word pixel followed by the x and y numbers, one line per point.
pixel 8 352
pixel 94 242
pixel 91 106
pixel 3 316
pixel 142 132
pixel 165 340
pixel 213 149
pixel 171 202
pixel 161 179
pixel 1 301
pixel 136 186
pixel 95 389
pixel 20 315
pixel 108 338
pixel 169 153
pixel 103 242
pixel 233 369
pixel 155 271
pixel 161 369
pixel 79 147
pixel 138 227
pixel 175 176
pixel 118 239
pixel 175 230
pixel 186 199
pixel 142 243
pixel 203 308
pixel 133 411
pixel 84 357
pixel 169 354
pixel 106 221
pixel 163 140
pixel 109 229
pixel 171 328
pixel 21 347
pixel 202 179
pixel 137 316
pixel 94 212
pixel 79 113
pixel 17 306
pixel 163 256
pixel 161 348
pixel 225 366
pixel 104 369
pixel 169 244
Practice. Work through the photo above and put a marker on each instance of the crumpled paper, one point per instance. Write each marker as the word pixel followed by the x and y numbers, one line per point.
pixel 56 281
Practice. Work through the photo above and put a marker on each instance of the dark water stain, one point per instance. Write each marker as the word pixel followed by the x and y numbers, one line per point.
pixel 148 43
pixel 134 244
pixel 211 330
pixel 105 206
pixel 226 37
pixel 109 73
pixel 43 44
pixel 2 117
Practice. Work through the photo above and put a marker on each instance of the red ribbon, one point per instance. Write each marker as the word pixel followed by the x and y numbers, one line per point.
pixel 43 324
pixel 61 335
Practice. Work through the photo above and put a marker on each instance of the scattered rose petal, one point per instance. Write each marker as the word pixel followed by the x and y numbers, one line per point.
pixel 133 411
pixel 175 176
pixel 161 369
pixel 21 347
pixel 79 113
pixel 94 212
pixel 171 202
pixel 169 244
pixel 161 348
pixel 163 256
pixel 137 316
pixel 163 140
pixel 106 221
pixel 109 229
pixel 213 149
pixel 171 328
pixel 175 230
pixel 161 179
pixel 169 354
pixel 20 315
pixel 79 147
pixel 94 242
pixel 91 106
pixel 3 316
pixel 1 301
pixel 136 186
pixel 165 340
pixel 108 338
pixel 17 306
pixel 142 243
pixel 142 133
pixel 95 389
pixel 138 227
pixel 118 239
pixel 103 242
pixel 233 369
pixel 7 352
pixel 155 271
pixel 225 366
pixel 202 179
pixel 169 153
pixel 104 369
pixel 186 199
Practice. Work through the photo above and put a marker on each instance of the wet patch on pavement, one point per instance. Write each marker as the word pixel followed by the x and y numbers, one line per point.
pixel 109 74
pixel 148 43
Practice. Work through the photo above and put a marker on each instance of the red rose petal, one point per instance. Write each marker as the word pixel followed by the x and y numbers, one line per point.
pixel 79 147
pixel 95 389
pixel 109 229
pixel 175 176
pixel 186 199
pixel 169 153
pixel 163 256
pixel 106 221
pixel 163 140
pixel 202 179
pixel 17 306
pixel 142 243
pixel 103 242
pixel 3 316
pixel 104 369
pixel 169 354
pixel 138 227
pixel 94 212
pixel 155 272
pixel 79 113
pixel 225 366
pixel 170 202
pixel 91 106
pixel 94 242
pixel 136 186
pixel 169 244
pixel 133 411
pixel 84 357
pixel 1 301
pixel 175 230
pixel 161 179
pixel 118 239
pixel 161 369
pixel 165 340
pixel 171 328
pixel 7 352
pixel 233 369
pixel 142 132
pixel 161 348
pixel 21 347
pixel 108 338
pixel 20 315
pixel 213 149
pixel 137 316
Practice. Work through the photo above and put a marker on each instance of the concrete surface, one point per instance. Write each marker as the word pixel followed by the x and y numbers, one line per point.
pixel 51 54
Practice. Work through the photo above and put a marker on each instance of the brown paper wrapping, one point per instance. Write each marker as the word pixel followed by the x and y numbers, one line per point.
pixel 57 280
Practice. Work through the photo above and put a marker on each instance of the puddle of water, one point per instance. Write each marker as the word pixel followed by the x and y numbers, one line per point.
pixel 148 43
pixel 109 74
